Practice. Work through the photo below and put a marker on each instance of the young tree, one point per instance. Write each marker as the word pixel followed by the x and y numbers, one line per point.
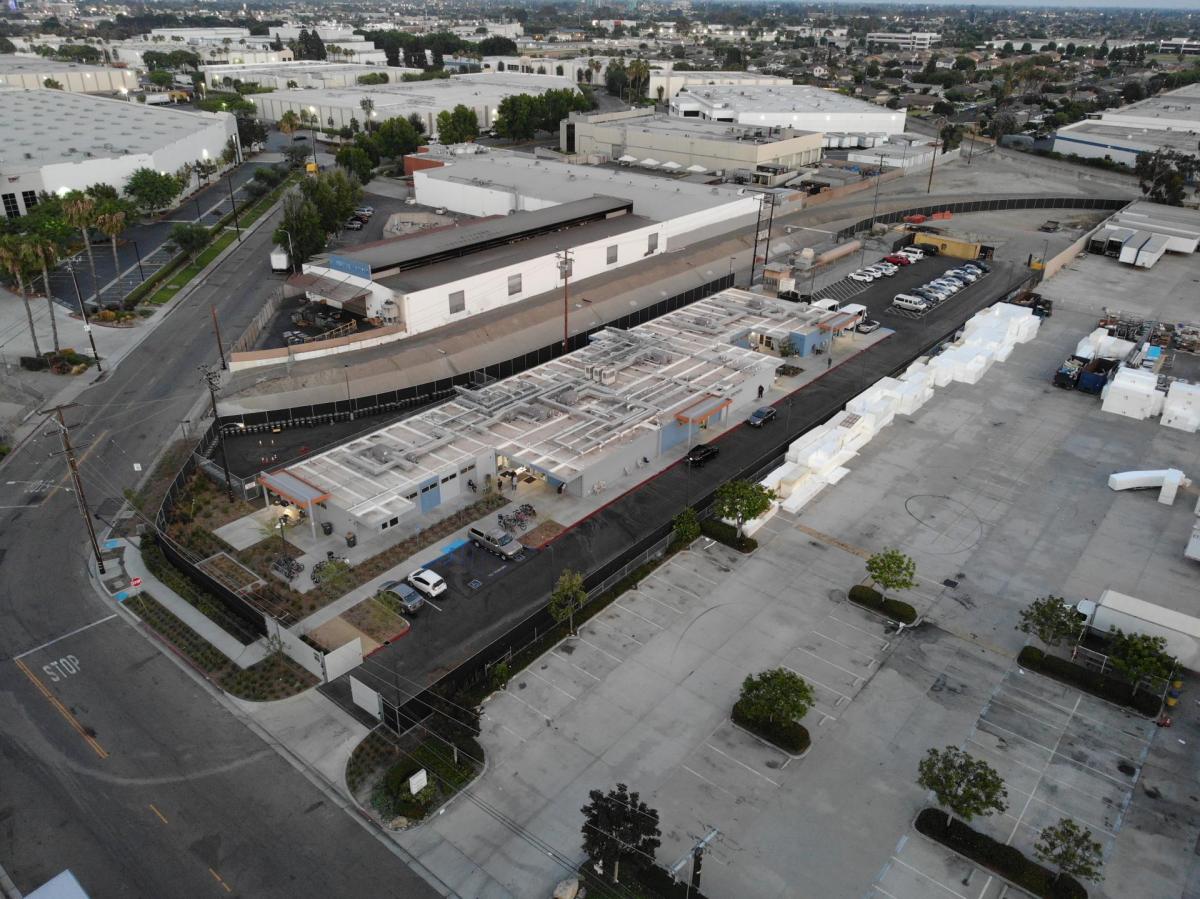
pixel 1070 850
pixel 111 218
pixel 567 598
pixel 417 121
pixel 17 260
pixel 775 695
pixel 1050 619
pixel 618 828
pixel 518 116
pixel 1139 656
pixel 458 125
pixel 289 122
pixel 892 570
pixel 396 138
pixel 740 501
pixel 295 155
pixel 152 190
pixel 189 238
pixel 686 525
pixel 964 785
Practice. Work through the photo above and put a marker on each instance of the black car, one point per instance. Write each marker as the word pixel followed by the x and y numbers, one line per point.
pixel 297 137
pixel 701 453
pixel 928 250
pixel 761 416
pixel 981 265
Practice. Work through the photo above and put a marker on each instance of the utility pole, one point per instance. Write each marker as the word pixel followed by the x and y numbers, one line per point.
pixel 770 222
pixel 69 451
pixel 565 269
pixel 233 203
pixel 217 331
pixel 696 854
pixel 757 236
pixel 87 326
pixel 932 159
pixel 874 210
pixel 211 379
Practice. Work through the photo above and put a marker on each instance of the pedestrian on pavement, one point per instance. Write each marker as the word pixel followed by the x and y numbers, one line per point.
pixel 829 363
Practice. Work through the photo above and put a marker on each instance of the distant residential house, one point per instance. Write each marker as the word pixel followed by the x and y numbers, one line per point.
pixel 918 101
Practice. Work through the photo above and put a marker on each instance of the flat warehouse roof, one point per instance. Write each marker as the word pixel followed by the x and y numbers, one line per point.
pixel 443 93
pixel 777 98
pixel 701 129
pixel 405 252
pixel 521 251
pixel 58 126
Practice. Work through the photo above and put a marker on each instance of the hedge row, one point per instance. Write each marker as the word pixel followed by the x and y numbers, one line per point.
pixel 1112 689
pixel 893 608
pixel 725 533
pixel 1007 861
pixel 790 736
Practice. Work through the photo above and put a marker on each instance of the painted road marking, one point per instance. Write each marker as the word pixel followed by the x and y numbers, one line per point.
pixel 161 816
pixel 61 669
pixel 77 630
pixel 62 709
pixel 217 878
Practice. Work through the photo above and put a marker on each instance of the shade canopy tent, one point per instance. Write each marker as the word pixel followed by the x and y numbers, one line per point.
pixel 697 169
pixel 627 159
pixel 650 163
pixel 672 165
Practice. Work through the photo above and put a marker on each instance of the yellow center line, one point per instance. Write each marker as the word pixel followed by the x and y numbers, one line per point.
pixel 161 817
pixel 62 710
pixel 217 878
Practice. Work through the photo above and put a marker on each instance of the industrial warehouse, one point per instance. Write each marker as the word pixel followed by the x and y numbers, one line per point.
pixel 580 423
pixel 798 106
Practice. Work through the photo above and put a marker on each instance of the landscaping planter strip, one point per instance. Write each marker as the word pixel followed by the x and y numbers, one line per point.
pixel 889 608
pixel 1110 689
pixel 1007 862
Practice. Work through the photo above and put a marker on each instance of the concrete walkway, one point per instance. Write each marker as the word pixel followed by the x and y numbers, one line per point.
pixel 242 656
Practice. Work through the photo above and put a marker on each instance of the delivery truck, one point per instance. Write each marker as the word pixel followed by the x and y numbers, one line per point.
pixel 1136 616
pixel 279 259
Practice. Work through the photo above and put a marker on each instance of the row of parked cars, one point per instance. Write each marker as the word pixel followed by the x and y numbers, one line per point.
pixel 361 216
pixel 892 263
pixel 946 285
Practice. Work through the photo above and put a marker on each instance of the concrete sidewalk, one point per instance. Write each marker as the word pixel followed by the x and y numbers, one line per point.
pixel 240 655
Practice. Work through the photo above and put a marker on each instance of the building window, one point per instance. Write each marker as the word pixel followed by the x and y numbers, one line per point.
pixel 428 487
pixel 10 206
pixel 468 469
pixel 449 477
pixel 29 198
pixel 384 526
pixel 458 301
pixel 651 243
pixel 514 285
pixel 612 254
pixel 412 495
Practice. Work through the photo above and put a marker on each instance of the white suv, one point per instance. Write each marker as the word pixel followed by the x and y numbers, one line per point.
pixel 428 582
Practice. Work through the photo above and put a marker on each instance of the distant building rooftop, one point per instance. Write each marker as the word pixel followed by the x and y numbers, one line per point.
pixel 11 64
pixel 44 127
pixel 779 98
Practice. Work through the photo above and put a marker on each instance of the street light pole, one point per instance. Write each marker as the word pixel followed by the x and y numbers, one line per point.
pixel 932 159
pixel 291 251
pixel 233 203
pixel 211 377
pixel 87 326
pixel 138 253
pixel 874 209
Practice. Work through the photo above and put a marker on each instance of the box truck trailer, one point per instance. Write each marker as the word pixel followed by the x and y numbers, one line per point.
pixel 279 259
pixel 1136 616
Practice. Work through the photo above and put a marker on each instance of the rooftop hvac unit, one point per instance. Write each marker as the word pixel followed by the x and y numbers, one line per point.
pixel 608 376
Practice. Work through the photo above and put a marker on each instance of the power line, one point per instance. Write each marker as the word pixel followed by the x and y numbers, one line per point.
pixel 80 497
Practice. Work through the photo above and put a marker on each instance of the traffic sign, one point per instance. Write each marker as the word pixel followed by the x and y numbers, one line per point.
pixel 135 582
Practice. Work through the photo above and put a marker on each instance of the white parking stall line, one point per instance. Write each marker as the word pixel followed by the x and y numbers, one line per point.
pixel 553 685
pixel 882 891
pixel 886 643
pixel 743 764
pixel 706 780
pixel 1054 752
pixel 1063 812
pixel 500 724
pixel 819 684
pixel 597 620
pixel 853 674
pixel 1008 682
pixel 665 605
pixel 643 617
pixel 430 603
pixel 527 705
pixel 555 652
pixel 1045 767
pixel 924 876
pixel 583 639
pixel 654 575
pixel 1003 759
pixel 841 644
pixel 703 578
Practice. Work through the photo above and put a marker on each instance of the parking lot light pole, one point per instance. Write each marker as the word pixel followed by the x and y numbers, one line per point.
pixel 138 253
pixel 233 203
pixel 87 326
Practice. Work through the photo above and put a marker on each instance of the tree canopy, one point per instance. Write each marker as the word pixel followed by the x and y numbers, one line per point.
pixel 964 785
pixel 775 695
pixel 567 598
pixel 1050 619
pixel 152 190
pixel 892 570
pixel 1070 850
pixel 457 126
pixel 741 501
pixel 619 829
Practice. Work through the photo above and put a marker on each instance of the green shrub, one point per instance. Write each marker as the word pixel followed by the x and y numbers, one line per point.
pixel 790 736
pixel 723 532
pixel 1007 861
pixel 1112 689
pixel 869 598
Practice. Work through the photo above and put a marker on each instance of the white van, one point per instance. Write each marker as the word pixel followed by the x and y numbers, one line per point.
pixel 829 305
pixel 909 302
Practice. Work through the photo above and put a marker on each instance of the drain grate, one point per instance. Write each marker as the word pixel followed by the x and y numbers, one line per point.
pixel 475 584
pixel 949 582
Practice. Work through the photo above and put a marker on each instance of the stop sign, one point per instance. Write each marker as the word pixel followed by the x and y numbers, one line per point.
pixel 135 582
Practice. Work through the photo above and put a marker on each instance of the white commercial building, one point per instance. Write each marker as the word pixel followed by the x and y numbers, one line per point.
pixel 303 73
pixel 798 106
pixel 1186 45
pixel 1177 110
pixel 670 143
pixel 480 92
pixel 351 47
pixel 905 40
pixel 58 141
pixel 32 73
pixel 199 35
pixel 580 423
pixel 1168 121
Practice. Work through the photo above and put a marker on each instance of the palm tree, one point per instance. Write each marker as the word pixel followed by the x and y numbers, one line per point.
pixel 289 122
pixel 46 251
pixel 594 67
pixel 80 212
pixel 16 259
pixel 639 74
pixel 111 222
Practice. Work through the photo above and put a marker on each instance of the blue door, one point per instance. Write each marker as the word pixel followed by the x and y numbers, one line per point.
pixel 431 495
